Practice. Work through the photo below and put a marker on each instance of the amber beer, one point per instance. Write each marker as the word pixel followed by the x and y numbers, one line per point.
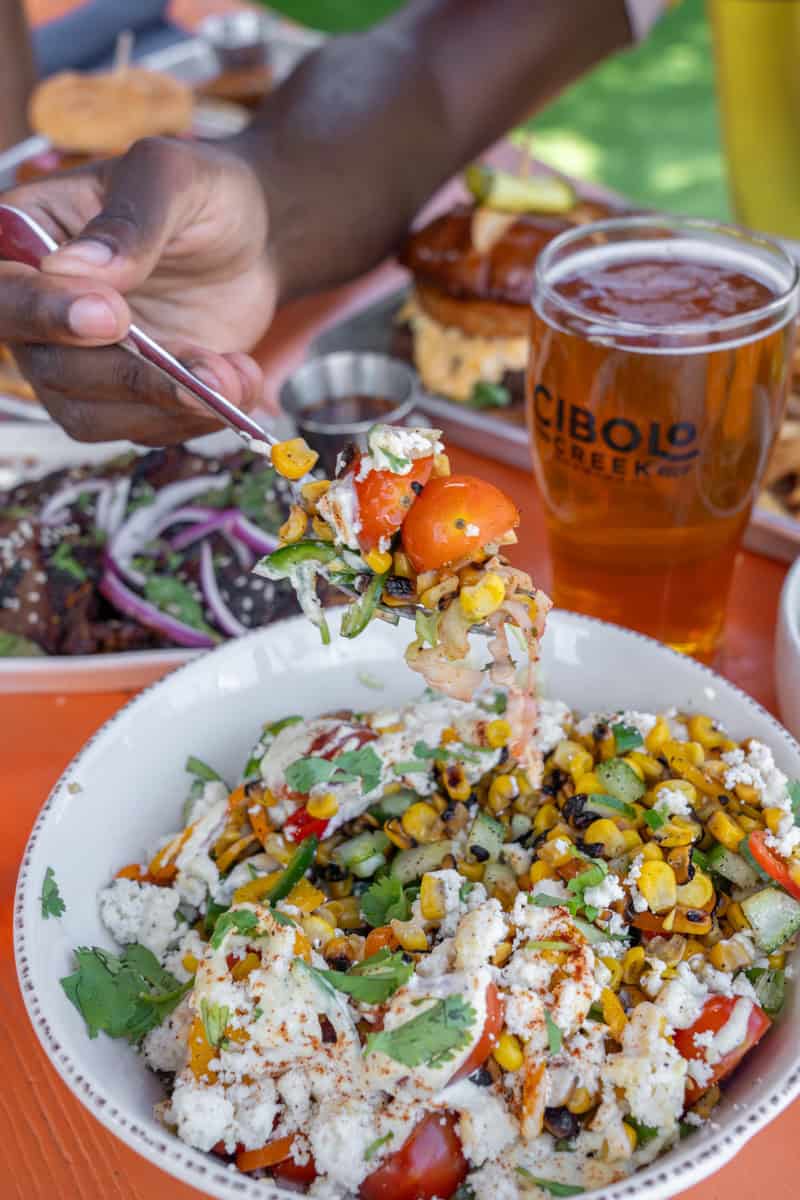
pixel 660 354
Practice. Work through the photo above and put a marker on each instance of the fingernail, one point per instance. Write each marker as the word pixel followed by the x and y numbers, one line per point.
pixel 208 377
pixel 92 317
pixel 87 253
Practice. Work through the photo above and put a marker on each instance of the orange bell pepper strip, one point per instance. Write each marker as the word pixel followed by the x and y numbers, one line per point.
pixel 267 1156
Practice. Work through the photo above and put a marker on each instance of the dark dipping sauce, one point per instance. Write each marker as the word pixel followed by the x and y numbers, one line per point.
pixel 347 410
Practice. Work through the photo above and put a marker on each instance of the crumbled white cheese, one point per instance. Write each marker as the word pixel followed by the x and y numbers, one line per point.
pixel 203 1114
pixel 553 718
pixel 479 934
pixel 166 1048
pixel 494 1182
pixel 339 1134
pixel 395 448
pixel 212 791
pixel 642 722
pixel 732 1034
pixel 681 999
pixel 757 769
pixel 140 912
pixel 634 871
pixel 604 894
pixel 650 1071
pixel 339 509
pixel 485 1124
pixel 672 802
pixel 700 1071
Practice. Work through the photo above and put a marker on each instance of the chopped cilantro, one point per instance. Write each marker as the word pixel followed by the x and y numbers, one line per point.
pixel 551 1185
pixel 434 1037
pixel 626 738
pixel 397 462
pixel 793 788
pixel 373 1148
pixel 644 1133
pixel 241 920
pixel 371 981
pixel 554 1035
pixel 52 904
pixel 385 901
pixel 498 704
pixel 174 598
pixel 654 819
pixel 489 395
pixel 64 560
pixel 14 646
pixel 305 773
pixel 124 996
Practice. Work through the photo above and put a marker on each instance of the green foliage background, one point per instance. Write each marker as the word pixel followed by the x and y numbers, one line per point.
pixel 643 123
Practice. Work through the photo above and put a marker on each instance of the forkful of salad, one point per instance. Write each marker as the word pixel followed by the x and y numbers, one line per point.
pixel 404 537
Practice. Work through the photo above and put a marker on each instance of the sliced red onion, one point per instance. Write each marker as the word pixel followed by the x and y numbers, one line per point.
pixel 52 509
pixel 111 506
pixel 244 555
pixel 147 614
pixel 252 536
pixel 201 529
pixel 223 616
pixel 147 522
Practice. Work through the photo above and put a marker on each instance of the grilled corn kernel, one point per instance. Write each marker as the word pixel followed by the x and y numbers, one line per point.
pixel 322 530
pixel 692 921
pixel 245 965
pixel 556 852
pixel 539 871
pixel 633 965
pixel 657 884
pixel 294 526
pixel 397 835
pixel 676 785
pixel 189 963
pixel 318 931
pixel 471 871
pixel 634 766
pixel 630 839
pixel 589 785
pixel 401 565
pixel 580 1101
pixel 321 808
pixel 482 599
pixel 339 888
pixel 652 852
pixel 502 791
pixel 679 832
pixel 502 953
pixel 691 752
pixel 313 492
pixel 680 859
pixel 794 872
pixel 256 889
pixel 456 783
pixel 349 913
pixel 614 966
pixel 508 1052
pixel 729 955
pixel 747 793
pixel 567 751
pixel 748 823
pixel 378 561
pixel 708 1102
pixel 613 1013
pixel 498 733
pixel 278 848
pixel 645 765
pixel 658 736
pixel 340 947
pixel 698 892
pixel 630 1134
pixel 777 961
pixel 773 817
pixel 410 936
pixel 606 834
pixel 702 729
pixel 734 915
pixel 294 458
pixel 422 822
pixel 432 898
pixel 545 818
pixel 725 830
pixel 441 465
pixel 305 896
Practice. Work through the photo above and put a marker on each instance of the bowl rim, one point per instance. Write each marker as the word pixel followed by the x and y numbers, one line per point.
pixel 790 604
pixel 199 1169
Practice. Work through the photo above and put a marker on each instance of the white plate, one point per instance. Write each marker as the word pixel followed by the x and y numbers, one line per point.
pixel 787 651
pixel 127 786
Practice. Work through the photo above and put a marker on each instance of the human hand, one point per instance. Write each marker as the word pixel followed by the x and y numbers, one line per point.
pixel 173 236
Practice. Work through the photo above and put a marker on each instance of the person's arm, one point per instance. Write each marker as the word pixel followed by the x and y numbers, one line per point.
pixel 362 133
pixel 17 73
pixel 199 242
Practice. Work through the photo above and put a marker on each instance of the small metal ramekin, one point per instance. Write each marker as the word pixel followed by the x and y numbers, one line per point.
pixel 239 39
pixel 336 377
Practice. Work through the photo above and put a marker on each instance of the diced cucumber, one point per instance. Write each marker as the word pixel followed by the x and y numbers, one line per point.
pixel 497 873
pixel 488 835
pixel 774 917
pixel 520 825
pixel 592 934
pixel 412 864
pixel 729 865
pixel 363 854
pixel 394 804
pixel 620 780
pixel 609 806
pixel 770 987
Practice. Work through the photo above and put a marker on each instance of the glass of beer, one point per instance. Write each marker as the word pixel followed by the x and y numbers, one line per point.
pixel 660 355
pixel 757 49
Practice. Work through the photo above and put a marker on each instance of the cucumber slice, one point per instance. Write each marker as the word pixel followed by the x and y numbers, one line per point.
pixel 497 873
pixel 363 854
pixel 395 804
pixel 488 835
pixel 774 917
pixel 511 193
pixel 729 865
pixel 412 864
pixel 610 806
pixel 620 781
pixel 593 935
pixel 770 988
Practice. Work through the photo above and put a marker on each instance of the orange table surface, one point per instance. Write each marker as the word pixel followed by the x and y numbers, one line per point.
pixel 51 1148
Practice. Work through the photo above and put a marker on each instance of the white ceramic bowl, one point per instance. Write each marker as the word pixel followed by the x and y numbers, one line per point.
pixel 787 651
pixel 127 785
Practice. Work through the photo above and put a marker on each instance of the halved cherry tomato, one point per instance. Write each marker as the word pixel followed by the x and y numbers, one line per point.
pixel 716 1013
pixel 384 499
pixel 775 866
pixel 301 825
pixel 488 1040
pixel 289 1171
pixel 429 1163
pixel 454 517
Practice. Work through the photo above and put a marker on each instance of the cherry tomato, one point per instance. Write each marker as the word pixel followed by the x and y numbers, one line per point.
pixel 716 1013
pixel 454 517
pixel 772 863
pixel 289 1171
pixel 301 825
pixel 384 499
pixel 488 1040
pixel 429 1163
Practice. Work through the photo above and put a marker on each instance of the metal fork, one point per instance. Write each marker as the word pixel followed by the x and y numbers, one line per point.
pixel 23 240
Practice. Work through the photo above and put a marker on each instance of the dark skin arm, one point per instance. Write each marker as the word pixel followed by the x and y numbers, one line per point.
pixel 17 73
pixel 201 243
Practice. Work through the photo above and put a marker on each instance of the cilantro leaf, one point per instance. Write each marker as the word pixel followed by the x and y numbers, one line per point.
pixel 241 920
pixel 364 763
pixel 174 598
pixel 434 1037
pixel 14 646
pixel 385 901
pixel 644 1133
pixel 373 980
pixel 215 1018
pixel 626 738
pixel 305 773
pixel 489 395
pixel 52 904
pixel 373 1148
pixel 498 704
pixel 543 900
pixel 65 561
pixel 551 1185
pixel 123 996
pixel 554 1035
pixel 654 819
pixel 397 462
pixel 793 788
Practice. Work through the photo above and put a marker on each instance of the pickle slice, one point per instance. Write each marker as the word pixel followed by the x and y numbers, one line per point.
pixel 509 193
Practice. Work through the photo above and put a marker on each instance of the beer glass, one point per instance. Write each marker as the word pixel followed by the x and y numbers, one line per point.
pixel 660 354
pixel 757 49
